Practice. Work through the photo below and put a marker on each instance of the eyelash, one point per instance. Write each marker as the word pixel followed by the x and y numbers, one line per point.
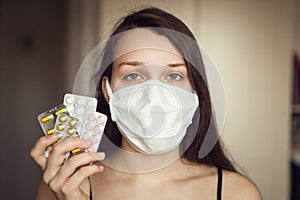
pixel 129 77
pixel 178 76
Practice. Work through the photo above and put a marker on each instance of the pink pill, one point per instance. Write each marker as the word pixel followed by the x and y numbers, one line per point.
pixel 91 117
pixel 97 129
pixel 85 136
pixel 88 126
pixel 94 138
pixel 99 120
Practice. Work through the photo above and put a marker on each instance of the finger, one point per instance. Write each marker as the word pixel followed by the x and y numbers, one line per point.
pixel 58 153
pixel 75 181
pixel 38 150
pixel 73 164
pixel 78 161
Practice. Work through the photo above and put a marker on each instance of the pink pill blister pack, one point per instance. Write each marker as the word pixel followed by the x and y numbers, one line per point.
pixel 93 129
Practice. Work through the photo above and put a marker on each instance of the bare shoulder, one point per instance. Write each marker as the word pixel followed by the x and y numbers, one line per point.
pixel 237 186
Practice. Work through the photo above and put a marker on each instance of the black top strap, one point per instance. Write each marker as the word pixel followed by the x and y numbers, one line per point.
pixel 219 188
pixel 91 194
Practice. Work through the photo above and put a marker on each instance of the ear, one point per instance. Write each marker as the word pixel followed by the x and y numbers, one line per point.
pixel 104 90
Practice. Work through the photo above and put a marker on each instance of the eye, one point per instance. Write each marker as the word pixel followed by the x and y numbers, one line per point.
pixel 174 77
pixel 132 76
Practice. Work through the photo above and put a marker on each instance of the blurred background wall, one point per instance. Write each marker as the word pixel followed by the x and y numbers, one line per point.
pixel 42 44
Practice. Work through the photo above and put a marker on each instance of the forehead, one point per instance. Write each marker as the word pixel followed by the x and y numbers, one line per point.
pixel 141 38
pixel 150 56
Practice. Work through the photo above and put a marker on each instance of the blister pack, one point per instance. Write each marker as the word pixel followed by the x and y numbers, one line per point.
pixel 93 129
pixel 80 107
pixel 47 118
pixel 65 126
pixel 77 116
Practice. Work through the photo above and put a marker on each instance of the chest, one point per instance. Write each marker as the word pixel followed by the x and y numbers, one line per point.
pixel 124 190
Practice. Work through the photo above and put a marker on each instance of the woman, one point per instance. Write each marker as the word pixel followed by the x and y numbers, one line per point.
pixel 171 71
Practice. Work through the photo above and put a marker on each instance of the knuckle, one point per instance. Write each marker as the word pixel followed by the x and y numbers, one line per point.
pixel 84 171
pixel 46 179
pixel 33 153
pixel 53 186
pixel 71 162
pixel 72 140
pixel 65 189
pixel 43 140
pixel 56 148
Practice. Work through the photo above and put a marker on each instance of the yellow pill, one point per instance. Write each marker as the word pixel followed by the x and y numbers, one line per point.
pixel 63 110
pixel 76 150
pixel 72 123
pixel 47 118
pixel 71 131
pixel 60 127
pixel 59 136
pixel 50 131
pixel 63 119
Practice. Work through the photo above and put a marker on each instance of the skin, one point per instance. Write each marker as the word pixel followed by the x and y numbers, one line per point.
pixel 180 180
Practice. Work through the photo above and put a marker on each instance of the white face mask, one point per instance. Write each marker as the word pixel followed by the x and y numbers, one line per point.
pixel 152 115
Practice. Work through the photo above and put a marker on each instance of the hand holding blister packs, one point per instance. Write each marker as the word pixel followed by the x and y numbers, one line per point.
pixel 77 117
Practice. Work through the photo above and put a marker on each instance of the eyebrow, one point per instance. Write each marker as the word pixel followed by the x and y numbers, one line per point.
pixel 132 63
pixel 138 63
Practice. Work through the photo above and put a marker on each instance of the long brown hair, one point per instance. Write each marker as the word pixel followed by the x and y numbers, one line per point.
pixel 154 17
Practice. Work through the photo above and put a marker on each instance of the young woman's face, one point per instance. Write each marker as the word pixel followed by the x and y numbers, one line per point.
pixel 164 64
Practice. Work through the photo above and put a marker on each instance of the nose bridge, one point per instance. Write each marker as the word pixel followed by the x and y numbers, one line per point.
pixel 155 70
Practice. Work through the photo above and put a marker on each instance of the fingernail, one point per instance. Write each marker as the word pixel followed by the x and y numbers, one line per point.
pixel 100 156
pixel 53 136
pixel 101 168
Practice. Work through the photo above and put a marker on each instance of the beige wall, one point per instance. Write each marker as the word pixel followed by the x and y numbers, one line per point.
pixel 251 42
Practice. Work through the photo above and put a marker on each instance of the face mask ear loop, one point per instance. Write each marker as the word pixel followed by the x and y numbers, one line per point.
pixel 109 92
pixel 108 88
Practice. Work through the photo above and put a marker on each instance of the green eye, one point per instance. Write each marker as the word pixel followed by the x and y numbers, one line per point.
pixel 175 77
pixel 133 76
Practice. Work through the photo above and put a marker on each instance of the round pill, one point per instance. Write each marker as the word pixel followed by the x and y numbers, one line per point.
pixel 78 111
pixel 85 136
pixel 69 100
pixel 88 126
pixel 97 129
pixel 60 127
pixel 72 122
pixel 90 103
pixel 71 131
pixel 94 138
pixel 91 117
pixel 99 120
pixel 80 102
pixel 63 119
